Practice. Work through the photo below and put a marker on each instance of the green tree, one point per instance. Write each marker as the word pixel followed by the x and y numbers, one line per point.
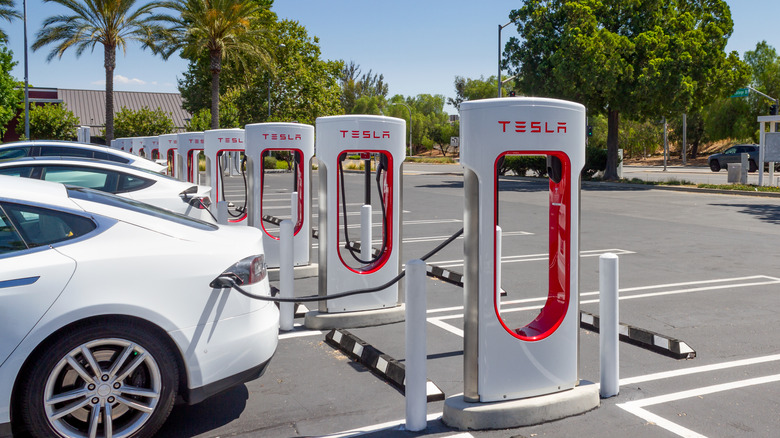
pixel 7 13
pixel 642 59
pixel 228 30
pixel 142 123
pixel 49 122
pixel 228 114
pixel 110 23
pixel 473 89
pixel 11 95
pixel 354 87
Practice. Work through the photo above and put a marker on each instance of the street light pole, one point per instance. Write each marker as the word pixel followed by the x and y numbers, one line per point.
pixel 26 80
pixel 411 151
pixel 498 78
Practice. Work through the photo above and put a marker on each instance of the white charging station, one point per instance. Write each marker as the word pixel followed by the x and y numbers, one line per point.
pixel 340 138
pixel 298 139
pixel 190 145
pixel 151 147
pixel 503 362
pixel 169 143
pixel 217 143
pixel 136 146
pixel 120 144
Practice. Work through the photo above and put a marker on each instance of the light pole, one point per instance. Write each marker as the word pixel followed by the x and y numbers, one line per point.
pixel 411 151
pixel 26 81
pixel 498 78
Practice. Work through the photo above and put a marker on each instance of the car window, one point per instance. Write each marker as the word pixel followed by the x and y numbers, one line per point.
pixel 100 155
pixel 730 151
pixel 41 226
pixel 10 240
pixel 64 151
pixel 22 171
pixel 138 207
pixel 13 153
pixel 98 179
pixel 129 183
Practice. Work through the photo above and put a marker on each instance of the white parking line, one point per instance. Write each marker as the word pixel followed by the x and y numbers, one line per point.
pixel 439 320
pixel 636 407
pixel 533 257
pixel 397 425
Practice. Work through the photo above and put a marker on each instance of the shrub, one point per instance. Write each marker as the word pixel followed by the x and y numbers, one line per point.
pixel 521 164
pixel 269 163
pixel 142 123
pixel 595 161
pixel 49 122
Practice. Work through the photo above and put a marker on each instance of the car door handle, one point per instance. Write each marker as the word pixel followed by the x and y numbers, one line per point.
pixel 19 282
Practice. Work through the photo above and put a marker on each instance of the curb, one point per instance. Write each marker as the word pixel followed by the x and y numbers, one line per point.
pixel 381 364
pixel 642 338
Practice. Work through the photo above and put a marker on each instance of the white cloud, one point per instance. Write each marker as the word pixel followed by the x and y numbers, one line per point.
pixel 119 79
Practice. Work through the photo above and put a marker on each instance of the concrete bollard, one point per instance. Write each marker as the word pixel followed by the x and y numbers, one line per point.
pixel 416 370
pixel 608 325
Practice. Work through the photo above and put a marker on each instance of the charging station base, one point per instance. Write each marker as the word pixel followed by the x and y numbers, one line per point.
pixel 524 412
pixel 365 318
pixel 305 271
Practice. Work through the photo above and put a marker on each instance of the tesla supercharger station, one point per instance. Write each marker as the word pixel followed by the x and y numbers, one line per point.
pixel 217 143
pixel 122 144
pixel 503 361
pixel 298 139
pixel 151 147
pixel 363 137
pixel 190 145
pixel 136 146
pixel 169 143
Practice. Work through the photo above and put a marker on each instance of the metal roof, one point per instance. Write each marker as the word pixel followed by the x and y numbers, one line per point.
pixel 89 106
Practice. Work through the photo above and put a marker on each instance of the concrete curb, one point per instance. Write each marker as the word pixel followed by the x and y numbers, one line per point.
pixel 646 339
pixel 316 320
pixel 381 364
pixel 523 412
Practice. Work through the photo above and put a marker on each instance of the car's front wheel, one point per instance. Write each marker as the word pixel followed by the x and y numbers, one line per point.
pixel 103 380
pixel 714 165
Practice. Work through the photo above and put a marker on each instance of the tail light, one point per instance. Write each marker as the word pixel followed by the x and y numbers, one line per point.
pixel 249 270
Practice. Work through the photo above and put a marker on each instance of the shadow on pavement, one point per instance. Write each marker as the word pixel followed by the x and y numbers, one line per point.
pixel 214 412
pixel 763 212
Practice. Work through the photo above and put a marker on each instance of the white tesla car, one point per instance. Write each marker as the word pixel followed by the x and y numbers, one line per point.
pixel 56 148
pixel 124 180
pixel 109 314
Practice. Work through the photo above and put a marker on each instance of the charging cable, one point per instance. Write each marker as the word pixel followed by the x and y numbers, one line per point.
pixel 228 281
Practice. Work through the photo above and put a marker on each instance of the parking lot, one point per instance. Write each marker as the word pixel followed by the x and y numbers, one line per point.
pixel 701 268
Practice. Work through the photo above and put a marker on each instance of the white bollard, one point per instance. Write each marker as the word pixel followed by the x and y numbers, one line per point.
pixel 222 212
pixel 608 325
pixel 294 209
pixel 365 233
pixel 499 237
pixel 416 374
pixel 286 275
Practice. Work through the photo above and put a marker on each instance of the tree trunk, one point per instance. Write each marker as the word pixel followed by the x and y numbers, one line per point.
pixel 613 121
pixel 109 62
pixel 216 68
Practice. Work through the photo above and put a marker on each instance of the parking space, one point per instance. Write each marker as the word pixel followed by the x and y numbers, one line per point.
pixel 696 267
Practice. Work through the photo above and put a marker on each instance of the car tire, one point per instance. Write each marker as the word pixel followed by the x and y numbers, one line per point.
pixel 752 166
pixel 64 395
pixel 715 166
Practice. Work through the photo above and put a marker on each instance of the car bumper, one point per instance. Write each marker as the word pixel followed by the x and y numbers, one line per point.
pixel 232 350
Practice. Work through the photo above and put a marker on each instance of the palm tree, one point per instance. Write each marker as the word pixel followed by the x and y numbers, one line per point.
pixel 8 13
pixel 111 23
pixel 229 30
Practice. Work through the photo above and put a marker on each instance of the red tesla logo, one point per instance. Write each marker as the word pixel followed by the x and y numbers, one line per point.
pixel 533 127
pixel 282 136
pixel 364 134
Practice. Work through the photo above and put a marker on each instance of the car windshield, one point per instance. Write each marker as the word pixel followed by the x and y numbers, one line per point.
pixel 139 207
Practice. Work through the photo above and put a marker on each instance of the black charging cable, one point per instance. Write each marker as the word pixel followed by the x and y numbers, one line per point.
pixel 240 210
pixel 228 281
pixel 348 245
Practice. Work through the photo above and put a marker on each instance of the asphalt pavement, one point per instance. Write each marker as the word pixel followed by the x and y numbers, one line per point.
pixel 698 267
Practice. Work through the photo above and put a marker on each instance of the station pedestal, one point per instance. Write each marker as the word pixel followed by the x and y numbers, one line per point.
pixel 316 320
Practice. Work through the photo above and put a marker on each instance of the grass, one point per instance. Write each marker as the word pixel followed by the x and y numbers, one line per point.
pixel 431 160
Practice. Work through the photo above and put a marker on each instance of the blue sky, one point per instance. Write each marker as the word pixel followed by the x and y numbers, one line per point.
pixel 419 46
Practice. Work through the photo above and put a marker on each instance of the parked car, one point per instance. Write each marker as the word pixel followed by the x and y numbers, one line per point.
pixel 109 315
pixel 125 180
pixel 51 148
pixel 733 155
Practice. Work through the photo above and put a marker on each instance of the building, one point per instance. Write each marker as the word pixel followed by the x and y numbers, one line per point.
pixel 89 106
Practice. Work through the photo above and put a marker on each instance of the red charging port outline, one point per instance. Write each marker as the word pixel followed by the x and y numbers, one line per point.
pixel 559 270
pixel 219 177
pixel 190 171
pixel 387 193
pixel 298 176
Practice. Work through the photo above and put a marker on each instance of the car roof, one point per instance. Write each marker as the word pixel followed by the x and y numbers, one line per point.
pixel 90 162
pixel 135 159
pixel 32 190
